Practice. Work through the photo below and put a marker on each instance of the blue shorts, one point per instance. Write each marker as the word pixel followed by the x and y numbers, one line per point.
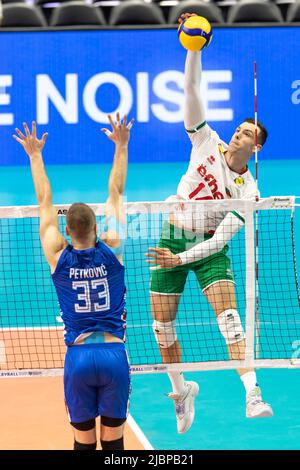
pixel 96 381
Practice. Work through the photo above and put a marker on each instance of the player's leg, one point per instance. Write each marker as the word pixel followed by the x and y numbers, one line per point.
pixel 217 283
pixel 85 435
pixel 216 280
pixel 113 395
pixel 164 309
pixel 167 285
pixel 112 433
pixel 166 288
pixel 80 398
pixel 221 297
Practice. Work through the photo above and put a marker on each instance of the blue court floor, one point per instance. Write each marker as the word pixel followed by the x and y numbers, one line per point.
pixel 220 421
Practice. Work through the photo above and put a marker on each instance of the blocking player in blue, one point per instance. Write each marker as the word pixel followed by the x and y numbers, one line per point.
pixel 89 279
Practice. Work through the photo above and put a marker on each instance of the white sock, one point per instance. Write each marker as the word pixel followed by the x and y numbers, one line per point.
pixel 177 381
pixel 249 380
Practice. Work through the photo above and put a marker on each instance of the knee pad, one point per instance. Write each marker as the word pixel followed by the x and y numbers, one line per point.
pixel 79 446
pixel 230 326
pixel 112 422
pixel 118 444
pixel 165 333
pixel 85 426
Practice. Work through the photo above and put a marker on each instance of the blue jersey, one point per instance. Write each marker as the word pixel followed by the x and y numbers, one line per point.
pixel 91 291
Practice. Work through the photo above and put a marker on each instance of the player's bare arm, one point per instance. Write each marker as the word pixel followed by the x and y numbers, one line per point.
pixel 52 240
pixel 114 211
pixel 194 112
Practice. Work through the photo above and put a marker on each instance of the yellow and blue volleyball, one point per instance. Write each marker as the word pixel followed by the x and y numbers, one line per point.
pixel 195 33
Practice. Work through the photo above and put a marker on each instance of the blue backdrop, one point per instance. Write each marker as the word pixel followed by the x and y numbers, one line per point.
pixel 69 80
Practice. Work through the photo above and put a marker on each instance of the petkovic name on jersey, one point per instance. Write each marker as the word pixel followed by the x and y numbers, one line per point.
pixel 99 271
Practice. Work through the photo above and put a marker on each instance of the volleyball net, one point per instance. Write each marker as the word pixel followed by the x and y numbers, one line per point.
pixel 31 329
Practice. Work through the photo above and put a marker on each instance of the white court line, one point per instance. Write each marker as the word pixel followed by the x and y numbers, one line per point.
pixel 141 436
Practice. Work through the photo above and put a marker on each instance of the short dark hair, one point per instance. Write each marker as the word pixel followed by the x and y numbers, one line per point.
pixel 262 137
pixel 80 220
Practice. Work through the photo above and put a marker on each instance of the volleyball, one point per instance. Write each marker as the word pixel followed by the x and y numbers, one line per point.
pixel 195 33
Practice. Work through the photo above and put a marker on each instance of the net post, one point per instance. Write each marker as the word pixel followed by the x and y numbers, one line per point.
pixel 250 284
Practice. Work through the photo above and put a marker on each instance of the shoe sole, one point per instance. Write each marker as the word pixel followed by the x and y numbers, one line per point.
pixel 263 414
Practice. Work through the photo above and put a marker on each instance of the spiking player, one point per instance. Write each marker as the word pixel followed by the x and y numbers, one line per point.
pixel 216 171
pixel 89 280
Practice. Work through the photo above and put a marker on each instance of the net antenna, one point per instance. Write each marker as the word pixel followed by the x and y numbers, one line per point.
pixel 256 212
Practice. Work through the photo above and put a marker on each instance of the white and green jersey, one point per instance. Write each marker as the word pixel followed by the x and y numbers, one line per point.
pixel 209 177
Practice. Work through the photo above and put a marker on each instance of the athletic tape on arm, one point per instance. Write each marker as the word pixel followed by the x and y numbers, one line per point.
pixel 225 231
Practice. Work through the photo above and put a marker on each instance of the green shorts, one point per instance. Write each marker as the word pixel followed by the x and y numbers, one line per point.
pixel 212 269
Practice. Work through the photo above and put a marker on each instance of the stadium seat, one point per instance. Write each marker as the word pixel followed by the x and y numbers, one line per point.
pixel 254 11
pixel 5 2
pixel 293 12
pixel 55 3
pixel 77 13
pixel 20 14
pixel 283 5
pixel 136 12
pixel 203 8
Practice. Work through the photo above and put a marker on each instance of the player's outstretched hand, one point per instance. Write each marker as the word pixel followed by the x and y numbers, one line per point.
pixel 185 16
pixel 30 143
pixel 162 258
pixel 120 130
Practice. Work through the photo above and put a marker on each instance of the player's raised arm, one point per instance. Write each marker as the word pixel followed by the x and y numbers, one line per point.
pixel 51 238
pixel 194 113
pixel 115 216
